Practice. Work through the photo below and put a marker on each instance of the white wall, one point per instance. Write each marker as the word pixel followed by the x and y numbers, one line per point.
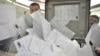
pixel 95 11
pixel 19 10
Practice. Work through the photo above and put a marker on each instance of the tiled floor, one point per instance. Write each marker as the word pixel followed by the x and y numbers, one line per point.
pixel 6 54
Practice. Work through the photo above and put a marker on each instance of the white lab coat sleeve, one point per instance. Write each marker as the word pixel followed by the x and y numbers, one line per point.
pixel 94 35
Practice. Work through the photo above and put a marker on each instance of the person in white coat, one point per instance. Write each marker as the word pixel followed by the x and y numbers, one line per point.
pixel 26 21
pixel 95 32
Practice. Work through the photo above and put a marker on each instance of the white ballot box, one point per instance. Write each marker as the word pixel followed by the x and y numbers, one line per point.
pixel 40 25
pixel 63 15
pixel 7 21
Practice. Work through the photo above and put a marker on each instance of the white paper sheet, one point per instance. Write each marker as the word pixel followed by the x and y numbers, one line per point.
pixel 7 21
pixel 48 53
pixel 56 48
pixel 64 46
pixel 41 26
pixel 73 52
pixel 74 49
pixel 37 27
pixel 36 45
pixel 56 35
pixel 25 53
pixel 25 41
pixel 55 52
pixel 25 44
pixel 85 51
pixel 66 31
pixel 51 50
pixel 67 12
pixel 60 40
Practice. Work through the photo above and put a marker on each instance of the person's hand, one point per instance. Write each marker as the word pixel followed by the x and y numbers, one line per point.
pixel 97 48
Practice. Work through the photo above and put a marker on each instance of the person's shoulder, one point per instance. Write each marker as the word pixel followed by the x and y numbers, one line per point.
pixel 95 25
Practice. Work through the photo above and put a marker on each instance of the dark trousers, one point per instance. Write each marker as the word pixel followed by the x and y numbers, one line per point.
pixel 97 53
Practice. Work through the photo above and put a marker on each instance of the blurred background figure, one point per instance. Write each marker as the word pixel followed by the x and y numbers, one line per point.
pixel 94 40
pixel 94 19
pixel 26 21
